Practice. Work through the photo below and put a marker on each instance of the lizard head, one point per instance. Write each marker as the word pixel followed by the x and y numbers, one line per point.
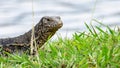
pixel 46 28
pixel 51 23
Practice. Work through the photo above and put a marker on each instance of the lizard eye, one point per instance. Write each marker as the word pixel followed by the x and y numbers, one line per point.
pixel 48 19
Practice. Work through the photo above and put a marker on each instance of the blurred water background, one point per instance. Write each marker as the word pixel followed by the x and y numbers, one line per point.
pixel 16 15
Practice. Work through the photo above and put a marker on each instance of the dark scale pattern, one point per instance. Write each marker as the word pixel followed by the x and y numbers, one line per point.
pixel 45 29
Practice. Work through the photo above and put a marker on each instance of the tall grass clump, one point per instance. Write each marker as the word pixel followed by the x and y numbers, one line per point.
pixel 97 48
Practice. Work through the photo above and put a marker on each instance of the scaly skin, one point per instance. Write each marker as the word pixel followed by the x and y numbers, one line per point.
pixel 45 29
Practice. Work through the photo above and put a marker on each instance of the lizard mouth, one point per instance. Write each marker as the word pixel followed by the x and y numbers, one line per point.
pixel 60 24
pixel 55 27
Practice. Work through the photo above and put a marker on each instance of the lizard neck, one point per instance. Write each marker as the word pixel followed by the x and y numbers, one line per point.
pixel 42 34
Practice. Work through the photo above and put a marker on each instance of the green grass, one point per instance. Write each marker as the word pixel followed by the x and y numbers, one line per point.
pixel 97 48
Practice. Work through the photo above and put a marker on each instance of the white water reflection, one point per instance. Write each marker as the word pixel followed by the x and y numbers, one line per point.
pixel 16 15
